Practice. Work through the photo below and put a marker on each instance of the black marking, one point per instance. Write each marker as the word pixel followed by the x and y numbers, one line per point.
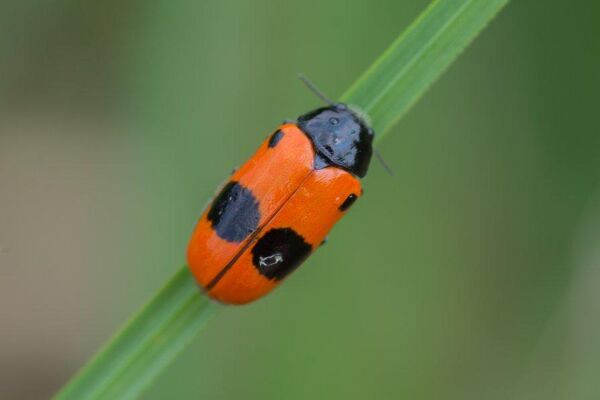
pixel 348 202
pixel 324 242
pixel 234 213
pixel 279 252
pixel 275 138
pixel 250 241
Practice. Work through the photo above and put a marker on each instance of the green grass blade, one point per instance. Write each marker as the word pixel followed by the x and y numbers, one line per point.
pixel 146 345
pixel 386 91
pixel 396 80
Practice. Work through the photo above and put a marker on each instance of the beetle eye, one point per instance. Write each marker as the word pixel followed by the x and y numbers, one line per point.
pixel 334 121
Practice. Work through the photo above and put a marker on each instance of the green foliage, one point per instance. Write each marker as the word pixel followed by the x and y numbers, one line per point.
pixel 146 345
pixel 418 57
pixel 386 91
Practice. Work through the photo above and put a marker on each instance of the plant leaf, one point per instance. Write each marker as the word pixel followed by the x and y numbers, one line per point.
pixel 385 91
pixel 397 79
pixel 146 345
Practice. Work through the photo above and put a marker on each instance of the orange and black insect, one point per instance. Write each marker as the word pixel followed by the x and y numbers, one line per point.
pixel 279 206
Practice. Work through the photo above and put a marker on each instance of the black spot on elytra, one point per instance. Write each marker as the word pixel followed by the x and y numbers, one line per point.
pixel 279 252
pixel 348 202
pixel 275 138
pixel 234 213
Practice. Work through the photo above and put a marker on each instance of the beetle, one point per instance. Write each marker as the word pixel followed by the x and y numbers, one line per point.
pixel 279 206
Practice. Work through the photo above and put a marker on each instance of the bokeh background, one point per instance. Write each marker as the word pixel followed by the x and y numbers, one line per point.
pixel 473 273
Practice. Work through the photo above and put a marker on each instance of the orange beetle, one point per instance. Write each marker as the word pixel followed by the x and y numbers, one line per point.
pixel 279 206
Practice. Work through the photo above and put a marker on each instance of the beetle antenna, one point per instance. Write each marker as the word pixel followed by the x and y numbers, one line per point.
pixel 311 86
pixel 382 162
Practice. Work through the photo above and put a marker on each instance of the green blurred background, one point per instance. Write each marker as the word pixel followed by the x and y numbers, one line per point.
pixel 473 273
